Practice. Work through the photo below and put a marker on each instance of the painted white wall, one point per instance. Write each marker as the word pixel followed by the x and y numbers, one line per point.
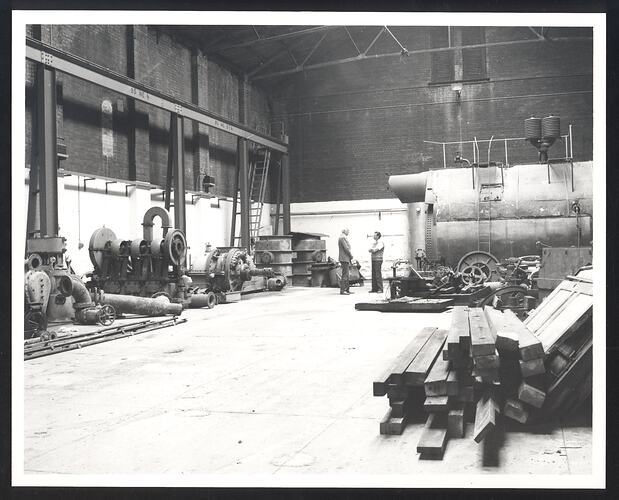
pixel 81 213
pixel 362 218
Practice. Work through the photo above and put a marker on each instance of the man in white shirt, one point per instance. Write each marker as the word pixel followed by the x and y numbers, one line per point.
pixel 377 249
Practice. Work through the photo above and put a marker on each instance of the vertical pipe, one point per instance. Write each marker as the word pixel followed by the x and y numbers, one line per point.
pixel 170 167
pixel 506 160
pixel 444 157
pixel 286 193
pixel 47 156
pixel 178 148
pixel 571 150
pixel 235 205
pixel 278 198
pixel 244 188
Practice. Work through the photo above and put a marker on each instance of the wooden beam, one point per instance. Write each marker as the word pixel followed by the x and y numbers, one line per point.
pixel 482 339
pixel 393 374
pixel 433 439
pixel 416 372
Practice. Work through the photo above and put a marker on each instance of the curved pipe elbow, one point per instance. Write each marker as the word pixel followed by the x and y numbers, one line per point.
pixel 74 287
pixel 149 217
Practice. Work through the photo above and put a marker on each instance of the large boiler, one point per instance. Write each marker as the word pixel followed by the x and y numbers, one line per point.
pixel 503 211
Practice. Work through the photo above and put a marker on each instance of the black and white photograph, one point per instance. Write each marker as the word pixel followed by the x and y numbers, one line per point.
pixel 308 249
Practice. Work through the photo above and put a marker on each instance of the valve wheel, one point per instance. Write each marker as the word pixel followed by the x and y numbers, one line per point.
pixel 473 275
pixel 106 315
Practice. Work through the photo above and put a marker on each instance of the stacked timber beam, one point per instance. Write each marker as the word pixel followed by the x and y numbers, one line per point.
pixel 403 381
pixel 491 366
pixel 473 370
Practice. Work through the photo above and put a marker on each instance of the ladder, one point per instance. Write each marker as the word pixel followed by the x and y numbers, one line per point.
pixel 259 162
pixel 258 174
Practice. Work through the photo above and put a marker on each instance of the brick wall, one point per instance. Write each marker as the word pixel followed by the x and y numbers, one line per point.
pixel 162 61
pixel 354 124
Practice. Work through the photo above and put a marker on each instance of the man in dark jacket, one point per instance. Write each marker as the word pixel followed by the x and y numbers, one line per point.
pixel 345 257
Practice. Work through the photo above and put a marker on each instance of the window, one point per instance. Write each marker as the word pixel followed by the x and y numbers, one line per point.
pixel 457 65
pixel 473 60
pixel 442 61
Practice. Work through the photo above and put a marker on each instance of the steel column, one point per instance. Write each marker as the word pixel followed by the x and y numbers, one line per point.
pixel 178 158
pixel 47 155
pixel 244 189
pixel 286 193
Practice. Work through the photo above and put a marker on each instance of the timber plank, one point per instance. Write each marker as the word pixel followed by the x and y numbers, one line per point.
pixel 393 374
pixel 506 339
pixel 435 383
pixel 459 329
pixel 531 395
pixel 516 410
pixel 529 345
pixel 433 438
pixel 452 383
pixel 436 404
pixel 416 372
pixel 455 422
pixel 384 423
pixel 482 339
pixel 485 418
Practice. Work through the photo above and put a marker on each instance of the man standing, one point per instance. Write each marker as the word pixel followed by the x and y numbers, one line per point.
pixel 377 249
pixel 345 257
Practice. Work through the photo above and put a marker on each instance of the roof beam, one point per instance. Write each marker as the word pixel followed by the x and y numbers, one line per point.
pixel 536 33
pixel 411 52
pixel 273 38
pixel 380 32
pixel 352 40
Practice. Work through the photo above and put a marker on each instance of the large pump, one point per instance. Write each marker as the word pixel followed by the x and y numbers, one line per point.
pixel 146 267
pixel 223 271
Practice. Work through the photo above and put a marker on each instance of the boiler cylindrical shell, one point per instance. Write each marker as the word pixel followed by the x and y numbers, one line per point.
pixel 533 128
pixel 551 127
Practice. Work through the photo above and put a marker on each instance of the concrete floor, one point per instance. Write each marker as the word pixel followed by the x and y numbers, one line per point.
pixel 280 383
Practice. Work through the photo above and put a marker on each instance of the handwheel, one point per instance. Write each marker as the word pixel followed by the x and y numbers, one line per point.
pixel 487 262
pixel 473 275
pixel 106 315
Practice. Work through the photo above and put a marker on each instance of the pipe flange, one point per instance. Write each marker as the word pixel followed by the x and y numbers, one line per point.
pixel 211 300
pixel 34 261
pixel 175 247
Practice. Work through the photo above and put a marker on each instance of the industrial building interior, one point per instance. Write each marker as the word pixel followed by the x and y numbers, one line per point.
pixel 291 250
